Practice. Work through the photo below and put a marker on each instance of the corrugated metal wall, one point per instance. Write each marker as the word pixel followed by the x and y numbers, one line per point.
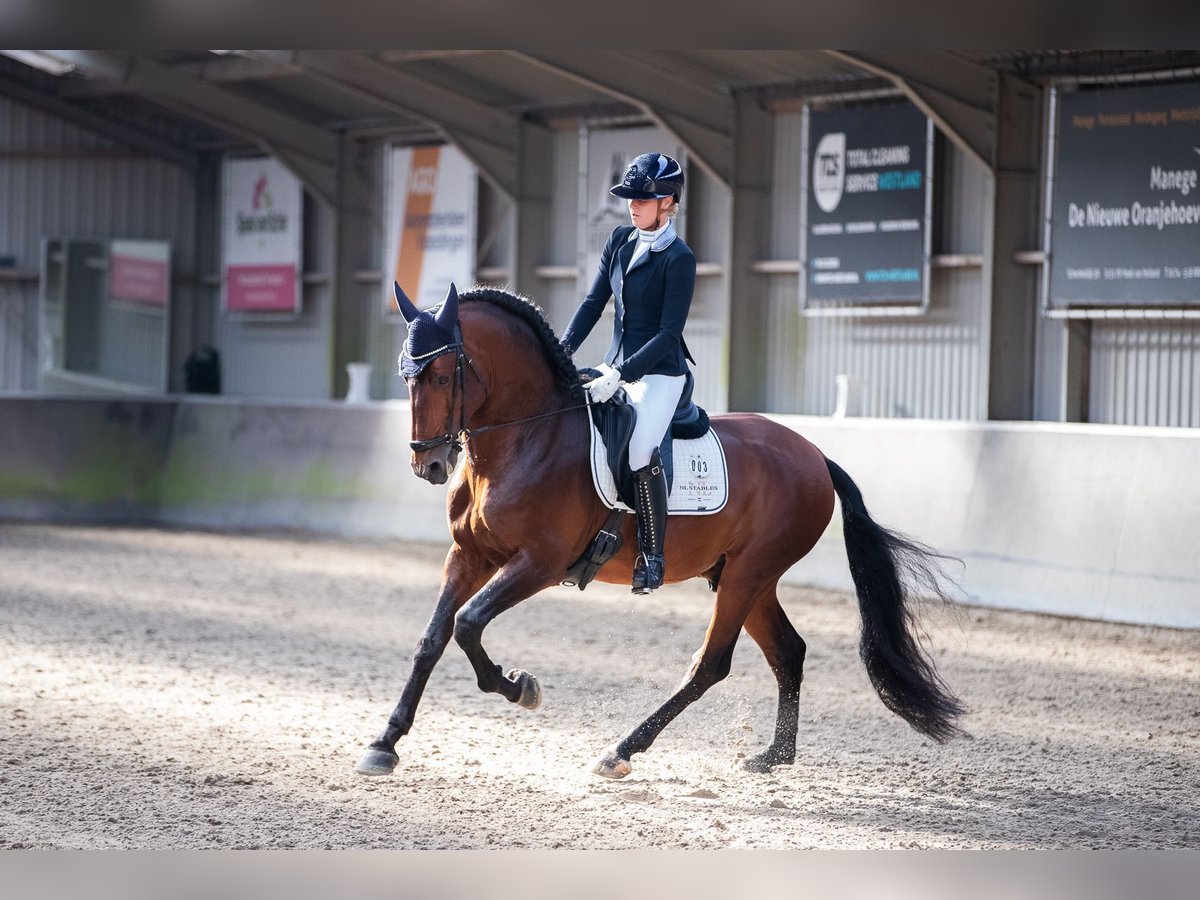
pixel 60 181
pixel 926 367
pixel 1144 374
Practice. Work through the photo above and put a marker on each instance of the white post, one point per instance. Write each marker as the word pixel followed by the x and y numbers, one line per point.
pixel 849 396
pixel 360 382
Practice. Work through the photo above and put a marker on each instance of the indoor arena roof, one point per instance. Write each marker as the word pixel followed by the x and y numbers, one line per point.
pixel 300 104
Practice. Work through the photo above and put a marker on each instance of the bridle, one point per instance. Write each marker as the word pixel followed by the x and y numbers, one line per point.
pixel 456 438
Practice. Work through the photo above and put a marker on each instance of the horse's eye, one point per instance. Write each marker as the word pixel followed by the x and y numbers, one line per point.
pixel 443 380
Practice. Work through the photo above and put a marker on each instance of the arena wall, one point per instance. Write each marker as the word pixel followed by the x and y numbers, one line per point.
pixel 1079 520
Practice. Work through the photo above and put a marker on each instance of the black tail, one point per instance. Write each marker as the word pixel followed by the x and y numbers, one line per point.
pixel 881 561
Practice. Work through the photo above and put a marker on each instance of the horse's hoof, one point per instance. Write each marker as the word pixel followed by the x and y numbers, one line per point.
pixel 612 766
pixel 764 762
pixel 531 691
pixel 377 762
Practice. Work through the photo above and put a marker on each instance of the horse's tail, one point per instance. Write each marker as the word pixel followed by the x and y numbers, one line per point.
pixel 881 562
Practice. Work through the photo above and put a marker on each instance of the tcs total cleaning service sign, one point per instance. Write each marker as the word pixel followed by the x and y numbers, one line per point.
pixel 865 234
pixel 431 223
pixel 262 236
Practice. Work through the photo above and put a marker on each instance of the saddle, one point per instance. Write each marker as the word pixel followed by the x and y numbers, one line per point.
pixel 616 419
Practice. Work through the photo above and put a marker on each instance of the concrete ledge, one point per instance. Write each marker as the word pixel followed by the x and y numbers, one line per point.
pixel 216 463
pixel 1078 520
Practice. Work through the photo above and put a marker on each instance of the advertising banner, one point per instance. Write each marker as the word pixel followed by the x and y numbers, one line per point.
pixel 262 237
pixel 139 272
pixel 1125 188
pixel 865 225
pixel 608 153
pixel 431 223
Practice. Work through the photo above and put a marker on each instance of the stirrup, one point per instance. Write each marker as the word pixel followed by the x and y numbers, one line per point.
pixel 647 574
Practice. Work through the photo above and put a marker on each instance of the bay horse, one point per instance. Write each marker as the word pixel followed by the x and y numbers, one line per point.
pixel 523 508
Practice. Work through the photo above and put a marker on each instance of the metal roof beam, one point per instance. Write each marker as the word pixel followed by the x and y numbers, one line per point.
pixel 488 136
pixel 218 70
pixel 309 150
pixel 700 117
pixel 138 140
pixel 960 96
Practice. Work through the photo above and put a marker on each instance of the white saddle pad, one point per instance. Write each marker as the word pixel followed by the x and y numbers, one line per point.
pixel 700 481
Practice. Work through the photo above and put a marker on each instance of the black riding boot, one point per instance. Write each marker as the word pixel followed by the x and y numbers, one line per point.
pixel 651 486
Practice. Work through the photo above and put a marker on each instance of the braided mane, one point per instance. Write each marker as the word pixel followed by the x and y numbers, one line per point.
pixel 530 313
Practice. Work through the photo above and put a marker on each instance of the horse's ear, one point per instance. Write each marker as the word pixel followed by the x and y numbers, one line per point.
pixel 448 314
pixel 406 307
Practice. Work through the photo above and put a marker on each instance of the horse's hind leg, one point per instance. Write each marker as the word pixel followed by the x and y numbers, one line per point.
pixel 784 649
pixel 710 665
pixel 519 579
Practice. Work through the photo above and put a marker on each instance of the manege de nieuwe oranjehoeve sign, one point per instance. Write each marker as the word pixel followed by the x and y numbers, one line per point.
pixel 864 238
pixel 1125 227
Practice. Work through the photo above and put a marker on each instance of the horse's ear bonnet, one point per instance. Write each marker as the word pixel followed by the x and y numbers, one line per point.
pixel 430 333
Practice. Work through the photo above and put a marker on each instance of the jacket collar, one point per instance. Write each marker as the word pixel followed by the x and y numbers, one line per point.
pixel 662 242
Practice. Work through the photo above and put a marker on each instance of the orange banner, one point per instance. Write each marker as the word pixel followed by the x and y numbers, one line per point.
pixel 422 185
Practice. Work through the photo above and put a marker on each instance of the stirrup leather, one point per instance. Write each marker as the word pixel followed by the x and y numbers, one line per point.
pixel 651 486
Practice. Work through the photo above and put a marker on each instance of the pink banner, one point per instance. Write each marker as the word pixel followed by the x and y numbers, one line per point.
pixel 138 280
pixel 261 288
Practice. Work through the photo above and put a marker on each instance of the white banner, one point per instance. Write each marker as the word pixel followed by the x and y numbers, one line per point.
pixel 608 153
pixel 262 232
pixel 432 197
pixel 139 272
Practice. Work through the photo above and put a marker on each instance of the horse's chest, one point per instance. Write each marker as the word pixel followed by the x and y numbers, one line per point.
pixel 494 515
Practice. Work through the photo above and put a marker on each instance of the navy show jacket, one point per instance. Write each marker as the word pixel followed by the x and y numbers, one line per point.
pixel 652 303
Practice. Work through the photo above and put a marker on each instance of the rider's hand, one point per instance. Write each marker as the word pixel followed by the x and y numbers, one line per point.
pixel 604 385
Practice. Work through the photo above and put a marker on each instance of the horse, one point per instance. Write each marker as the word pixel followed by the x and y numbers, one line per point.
pixel 523 508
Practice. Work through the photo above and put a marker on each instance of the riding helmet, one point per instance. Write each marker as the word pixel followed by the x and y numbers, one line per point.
pixel 649 177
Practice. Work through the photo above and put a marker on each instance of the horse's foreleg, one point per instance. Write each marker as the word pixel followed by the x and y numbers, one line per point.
pixel 709 666
pixel 461 578
pixel 519 579
pixel 784 649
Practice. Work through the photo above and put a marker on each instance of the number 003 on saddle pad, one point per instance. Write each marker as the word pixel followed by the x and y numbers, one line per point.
pixel 700 478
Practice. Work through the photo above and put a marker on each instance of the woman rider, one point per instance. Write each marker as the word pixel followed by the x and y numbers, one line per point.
pixel 651 272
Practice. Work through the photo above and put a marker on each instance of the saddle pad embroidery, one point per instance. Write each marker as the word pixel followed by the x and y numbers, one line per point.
pixel 700 481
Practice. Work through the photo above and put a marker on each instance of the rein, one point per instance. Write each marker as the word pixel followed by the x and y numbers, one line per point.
pixel 456 439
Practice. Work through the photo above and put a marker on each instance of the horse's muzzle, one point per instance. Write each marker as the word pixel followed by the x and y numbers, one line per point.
pixel 435 465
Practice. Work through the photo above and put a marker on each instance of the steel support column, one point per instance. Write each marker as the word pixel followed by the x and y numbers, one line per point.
pixel 749 240
pixel 1011 289
pixel 356 307
pixel 533 204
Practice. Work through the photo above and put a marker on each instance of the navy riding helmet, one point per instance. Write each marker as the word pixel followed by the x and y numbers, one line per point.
pixel 651 176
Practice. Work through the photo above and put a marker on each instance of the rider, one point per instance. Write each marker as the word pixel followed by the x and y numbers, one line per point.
pixel 651 272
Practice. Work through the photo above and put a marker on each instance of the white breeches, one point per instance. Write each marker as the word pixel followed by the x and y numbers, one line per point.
pixel 655 398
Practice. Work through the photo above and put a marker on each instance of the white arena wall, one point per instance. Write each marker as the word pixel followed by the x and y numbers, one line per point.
pixel 1079 520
